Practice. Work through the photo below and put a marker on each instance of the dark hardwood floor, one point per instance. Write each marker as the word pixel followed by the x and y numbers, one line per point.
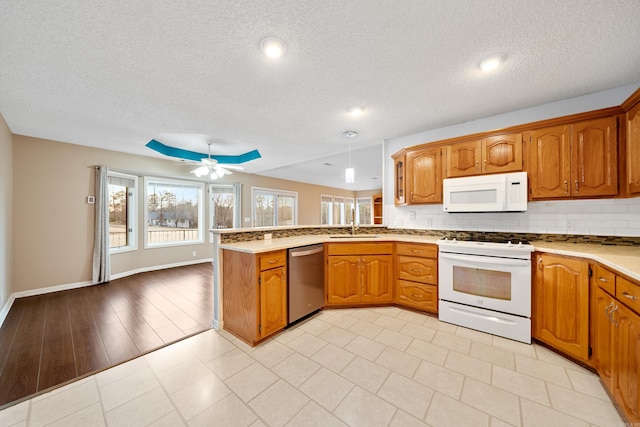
pixel 50 339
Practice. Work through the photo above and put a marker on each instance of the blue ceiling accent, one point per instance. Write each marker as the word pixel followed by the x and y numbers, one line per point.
pixel 196 157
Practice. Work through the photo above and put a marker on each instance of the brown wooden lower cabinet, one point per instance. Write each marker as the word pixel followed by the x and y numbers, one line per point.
pixel 417 276
pixel 626 362
pixel 561 304
pixel 359 273
pixel 254 294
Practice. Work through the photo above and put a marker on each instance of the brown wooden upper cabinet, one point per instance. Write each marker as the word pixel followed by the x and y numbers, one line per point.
pixel 424 176
pixel 398 176
pixel 576 160
pixel 633 149
pixel 495 154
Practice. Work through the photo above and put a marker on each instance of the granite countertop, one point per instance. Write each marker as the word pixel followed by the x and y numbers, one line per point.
pixel 623 259
pixel 258 246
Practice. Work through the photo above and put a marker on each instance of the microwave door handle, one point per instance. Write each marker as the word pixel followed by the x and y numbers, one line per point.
pixel 485 259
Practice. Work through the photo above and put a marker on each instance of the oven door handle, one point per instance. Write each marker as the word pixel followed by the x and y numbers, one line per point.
pixel 485 259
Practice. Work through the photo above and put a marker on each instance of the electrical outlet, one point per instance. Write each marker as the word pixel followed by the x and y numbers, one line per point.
pixel 194 253
pixel 268 236
pixel 571 224
pixel 429 222
pixel 412 214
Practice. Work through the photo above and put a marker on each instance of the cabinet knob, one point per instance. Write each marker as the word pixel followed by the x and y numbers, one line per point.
pixel 577 186
pixel 602 279
pixel 566 186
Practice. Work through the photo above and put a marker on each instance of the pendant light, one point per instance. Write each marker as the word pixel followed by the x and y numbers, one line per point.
pixel 350 173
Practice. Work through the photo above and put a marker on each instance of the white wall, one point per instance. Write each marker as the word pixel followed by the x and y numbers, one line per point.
pixel 611 217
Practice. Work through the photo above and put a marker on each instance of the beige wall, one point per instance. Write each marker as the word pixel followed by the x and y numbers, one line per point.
pixel 6 191
pixel 51 181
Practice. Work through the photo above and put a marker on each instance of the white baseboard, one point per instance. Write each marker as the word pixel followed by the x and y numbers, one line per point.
pixel 68 286
pixel 5 310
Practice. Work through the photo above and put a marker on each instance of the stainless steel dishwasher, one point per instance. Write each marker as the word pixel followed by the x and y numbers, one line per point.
pixel 306 281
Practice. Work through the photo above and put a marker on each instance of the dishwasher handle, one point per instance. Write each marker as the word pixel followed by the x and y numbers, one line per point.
pixel 294 254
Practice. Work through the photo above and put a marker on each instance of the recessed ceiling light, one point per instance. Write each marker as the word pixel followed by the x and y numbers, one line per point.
pixel 350 134
pixel 272 47
pixel 356 111
pixel 492 62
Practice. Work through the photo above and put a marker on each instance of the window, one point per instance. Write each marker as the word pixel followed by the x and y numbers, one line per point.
pixel 326 203
pixel 363 210
pixel 225 205
pixel 173 212
pixel 335 210
pixel 274 207
pixel 122 211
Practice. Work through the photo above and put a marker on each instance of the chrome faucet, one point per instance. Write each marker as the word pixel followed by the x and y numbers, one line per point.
pixel 354 227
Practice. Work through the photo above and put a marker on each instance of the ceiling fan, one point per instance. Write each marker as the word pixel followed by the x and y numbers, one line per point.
pixel 215 166
pixel 211 167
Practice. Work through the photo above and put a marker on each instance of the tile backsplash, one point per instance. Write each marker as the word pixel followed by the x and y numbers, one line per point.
pixel 595 217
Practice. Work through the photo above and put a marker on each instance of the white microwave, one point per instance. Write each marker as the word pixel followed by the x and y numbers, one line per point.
pixel 505 192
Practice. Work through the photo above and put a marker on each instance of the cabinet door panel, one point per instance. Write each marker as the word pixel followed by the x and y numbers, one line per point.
pixel 399 188
pixel 343 280
pixel 633 149
pixel 425 178
pixel 550 162
pixel 377 278
pixel 273 301
pixel 562 304
pixel 602 335
pixel 627 362
pixel 463 159
pixel 594 164
pixel 502 153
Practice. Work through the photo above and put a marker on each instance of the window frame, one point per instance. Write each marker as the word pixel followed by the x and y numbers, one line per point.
pixel 178 183
pixel 276 193
pixel 236 189
pixel 131 214
pixel 369 200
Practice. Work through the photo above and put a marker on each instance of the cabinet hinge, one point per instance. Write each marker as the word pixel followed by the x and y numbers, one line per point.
pixel 259 280
pixel 590 351
pixel 590 272
pixel 260 328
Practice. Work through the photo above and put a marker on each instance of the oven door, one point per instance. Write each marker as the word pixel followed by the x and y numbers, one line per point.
pixel 494 283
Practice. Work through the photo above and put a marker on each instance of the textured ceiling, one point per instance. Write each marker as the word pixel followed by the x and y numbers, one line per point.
pixel 115 74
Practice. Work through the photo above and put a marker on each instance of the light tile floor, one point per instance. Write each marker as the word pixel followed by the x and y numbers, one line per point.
pixel 356 367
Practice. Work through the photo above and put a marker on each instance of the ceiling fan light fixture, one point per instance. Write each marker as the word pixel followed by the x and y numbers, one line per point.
pixel 350 134
pixel 273 47
pixel 201 171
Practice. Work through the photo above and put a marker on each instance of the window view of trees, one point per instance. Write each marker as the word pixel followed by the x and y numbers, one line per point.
pixel 265 213
pixel 224 203
pixel 173 212
pixel 117 216
pixel 364 210
pixel 121 211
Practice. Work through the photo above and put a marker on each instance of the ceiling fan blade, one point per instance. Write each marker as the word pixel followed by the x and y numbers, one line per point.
pixel 233 167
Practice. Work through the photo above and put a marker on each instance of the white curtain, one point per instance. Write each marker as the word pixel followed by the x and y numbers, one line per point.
pixel 101 268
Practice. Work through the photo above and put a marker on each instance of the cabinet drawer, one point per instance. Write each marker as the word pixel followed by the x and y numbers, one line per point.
pixel 423 270
pixel 605 279
pixel 272 260
pixel 360 249
pixel 417 249
pixel 628 293
pixel 423 297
